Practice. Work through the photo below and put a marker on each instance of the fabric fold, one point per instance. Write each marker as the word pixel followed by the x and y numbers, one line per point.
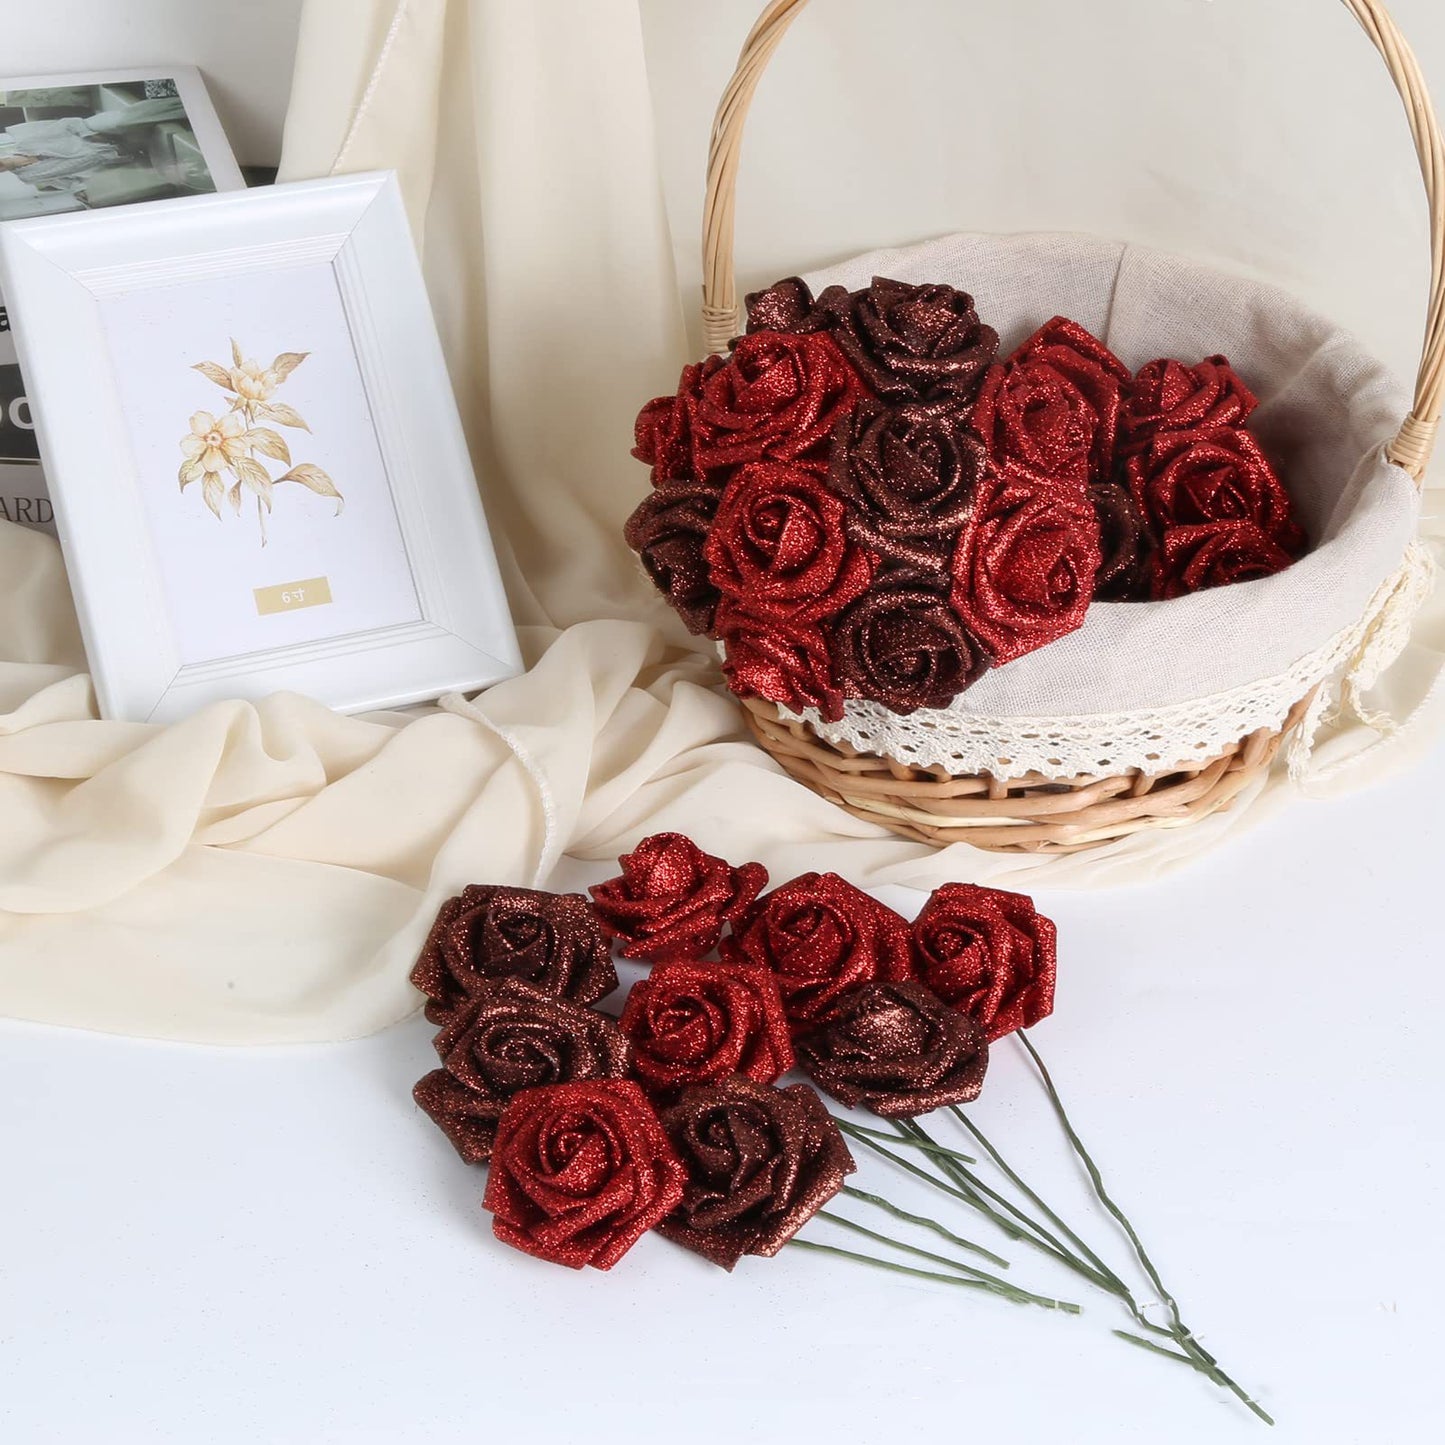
pixel 266 873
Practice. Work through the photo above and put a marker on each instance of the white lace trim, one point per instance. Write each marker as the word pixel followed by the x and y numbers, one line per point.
pixel 1157 740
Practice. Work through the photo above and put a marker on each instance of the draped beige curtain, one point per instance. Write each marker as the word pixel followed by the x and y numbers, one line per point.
pixel 264 873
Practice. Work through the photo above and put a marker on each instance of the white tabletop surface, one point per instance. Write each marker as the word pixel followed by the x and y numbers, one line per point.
pixel 265 1245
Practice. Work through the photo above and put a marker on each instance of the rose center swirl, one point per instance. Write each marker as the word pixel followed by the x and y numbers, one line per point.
pixel 575 1155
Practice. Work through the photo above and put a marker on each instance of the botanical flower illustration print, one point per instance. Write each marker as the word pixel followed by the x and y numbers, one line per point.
pixel 230 455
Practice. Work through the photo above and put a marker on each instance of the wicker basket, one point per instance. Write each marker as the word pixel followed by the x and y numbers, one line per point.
pixel 1039 813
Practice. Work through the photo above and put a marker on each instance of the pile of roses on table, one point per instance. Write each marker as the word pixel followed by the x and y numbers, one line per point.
pixel 864 501
pixel 598 1129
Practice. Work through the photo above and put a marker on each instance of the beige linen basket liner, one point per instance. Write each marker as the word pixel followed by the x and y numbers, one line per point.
pixel 1038 812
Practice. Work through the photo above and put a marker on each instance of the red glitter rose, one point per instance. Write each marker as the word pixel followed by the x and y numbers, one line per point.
pixel 1096 373
pixel 903 645
pixel 672 900
pixel 1218 474
pixel 550 940
pixel 580 1172
pixel 778 544
pixel 820 936
pixel 1023 574
pixel 781 660
pixel 911 343
pixel 511 1037
pixel 988 953
pixel 1027 412
pixel 1168 396
pixel 898 1050
pixel 776 398
pixel 1214 554
pixel 667 531
pixel 691 1023
pixel 1054 405
pixel 760 1164
pixel 663 431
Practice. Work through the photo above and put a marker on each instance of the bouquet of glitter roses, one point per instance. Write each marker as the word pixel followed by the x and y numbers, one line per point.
pixel 675 1116
pixel 864 501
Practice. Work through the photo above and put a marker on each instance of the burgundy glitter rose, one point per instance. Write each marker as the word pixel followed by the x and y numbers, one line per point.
pixel 580 1172
pixel 821 937
pixel 776 398
pixel 903 645
pixel 760 1164
pixel 667 531
pixel 672 900
pixel 1023 574
pixel 778 544
pixel 1097 377
pixel 1126 545
pixel 1193 559
pixel 909 475
pixel 990 954
pixel 663 431
pixel 1168 396
pixel 912 343
pixel 787 305
pixel 467 1118
pixel 691 1023
pixel 511 1037
pixel 1218 474
pixel 550 940
pixel 898 1050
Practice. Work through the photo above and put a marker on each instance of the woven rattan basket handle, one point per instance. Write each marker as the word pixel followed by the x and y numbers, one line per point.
pixel 1413 446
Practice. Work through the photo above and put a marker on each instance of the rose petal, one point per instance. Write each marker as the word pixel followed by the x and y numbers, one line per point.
pixel 580 1172
pixel 761 1162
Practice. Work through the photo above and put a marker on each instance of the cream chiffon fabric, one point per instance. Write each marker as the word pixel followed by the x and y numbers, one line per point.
pixel 263 874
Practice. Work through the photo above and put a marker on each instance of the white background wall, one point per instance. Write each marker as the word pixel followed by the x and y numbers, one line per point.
pixel 244 47
pixel 1260 133
pixel 1264 135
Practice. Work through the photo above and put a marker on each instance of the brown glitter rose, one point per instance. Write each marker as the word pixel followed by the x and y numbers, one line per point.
pixel 672 900
pixel 663 431
pixel 1080 360
pixel 779 546
pixel 787 305
pixel 580 1172
pixel 550 940
pixel 511 1037
pixel 903 645
pixel 820 937
pixel 667 532
pixel 694 1022
pixel 912 343
pixel 1215 554
pixel 1023 574
pixel 760 1164
pixel 1126 546
pixel 781 660
pixel 1168 396
pixel 1218 474
pixel 775 399
pixel 896 1049
pixel 988 953
pixel 909 474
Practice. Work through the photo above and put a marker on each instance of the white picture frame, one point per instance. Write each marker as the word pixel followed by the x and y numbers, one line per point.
pixel 107 304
